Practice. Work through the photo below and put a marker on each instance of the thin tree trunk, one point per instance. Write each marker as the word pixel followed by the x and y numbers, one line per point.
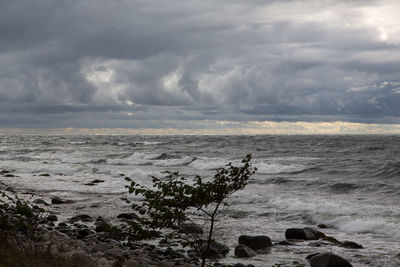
pixel 203 262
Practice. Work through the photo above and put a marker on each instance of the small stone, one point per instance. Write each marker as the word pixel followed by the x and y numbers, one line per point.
pixel 9 175
pixel 52 218
pixel 44 174
pixel 56 200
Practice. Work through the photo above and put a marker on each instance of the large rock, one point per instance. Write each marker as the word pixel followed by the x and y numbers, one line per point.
pixel 243 251
pixel 255 242
pixel 216 250
pixel 306 233
pixel 327 260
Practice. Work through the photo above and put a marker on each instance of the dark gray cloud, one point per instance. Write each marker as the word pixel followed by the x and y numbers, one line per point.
pixel 97 63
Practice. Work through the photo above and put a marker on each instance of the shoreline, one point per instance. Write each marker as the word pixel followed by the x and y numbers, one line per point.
pixel 81 242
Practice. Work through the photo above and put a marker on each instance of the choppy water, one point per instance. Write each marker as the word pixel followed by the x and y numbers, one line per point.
pixel 350 183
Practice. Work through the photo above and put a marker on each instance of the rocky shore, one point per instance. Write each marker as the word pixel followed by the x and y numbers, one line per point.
pixel 85 240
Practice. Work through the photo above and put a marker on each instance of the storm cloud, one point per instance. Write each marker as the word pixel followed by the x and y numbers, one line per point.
pixel 147 63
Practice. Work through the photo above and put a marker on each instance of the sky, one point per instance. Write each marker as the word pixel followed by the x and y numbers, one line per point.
pixel 201 65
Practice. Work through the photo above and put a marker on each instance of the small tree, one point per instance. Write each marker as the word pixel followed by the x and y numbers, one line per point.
pixel 168 204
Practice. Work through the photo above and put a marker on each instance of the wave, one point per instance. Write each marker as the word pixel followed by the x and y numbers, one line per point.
pixel 141 159
pixel 363 225
pixel 263 167
pixel 147 143
pixel 275 168
pixel 389 170
pixel 78 142
pixel 343 187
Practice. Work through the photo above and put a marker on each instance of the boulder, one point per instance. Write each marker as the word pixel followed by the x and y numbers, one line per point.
pixel 327 260
pixel 255 242
pixel 243 251
pixel 306 233
pixel 216 250
pixel 350 244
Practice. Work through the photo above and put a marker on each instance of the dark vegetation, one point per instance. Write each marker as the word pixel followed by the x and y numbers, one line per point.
pixel 19 220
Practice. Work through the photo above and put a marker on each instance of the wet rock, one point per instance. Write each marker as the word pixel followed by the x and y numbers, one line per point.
pixel 191 229
pixel 52 218
pixel 216 250
pixel 44 174
pixel 322 226
pixel 128 216
pixel 350 244
pixel 84 233
pixel 255 242
pixel 102 227
pixel 9 175
pixel 94 182
pixel 307 233
pixel 57 201
pixel 243 251
pixel 331 239
pixel 81 217
pixel 4 172
pixel 327 260
pixel 318 244
pixel 41 201
pixel 97 181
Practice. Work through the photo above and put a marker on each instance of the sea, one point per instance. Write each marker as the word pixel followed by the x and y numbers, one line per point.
pixel 349 183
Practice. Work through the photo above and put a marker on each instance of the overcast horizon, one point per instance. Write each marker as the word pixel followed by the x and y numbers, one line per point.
pixel 201 66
